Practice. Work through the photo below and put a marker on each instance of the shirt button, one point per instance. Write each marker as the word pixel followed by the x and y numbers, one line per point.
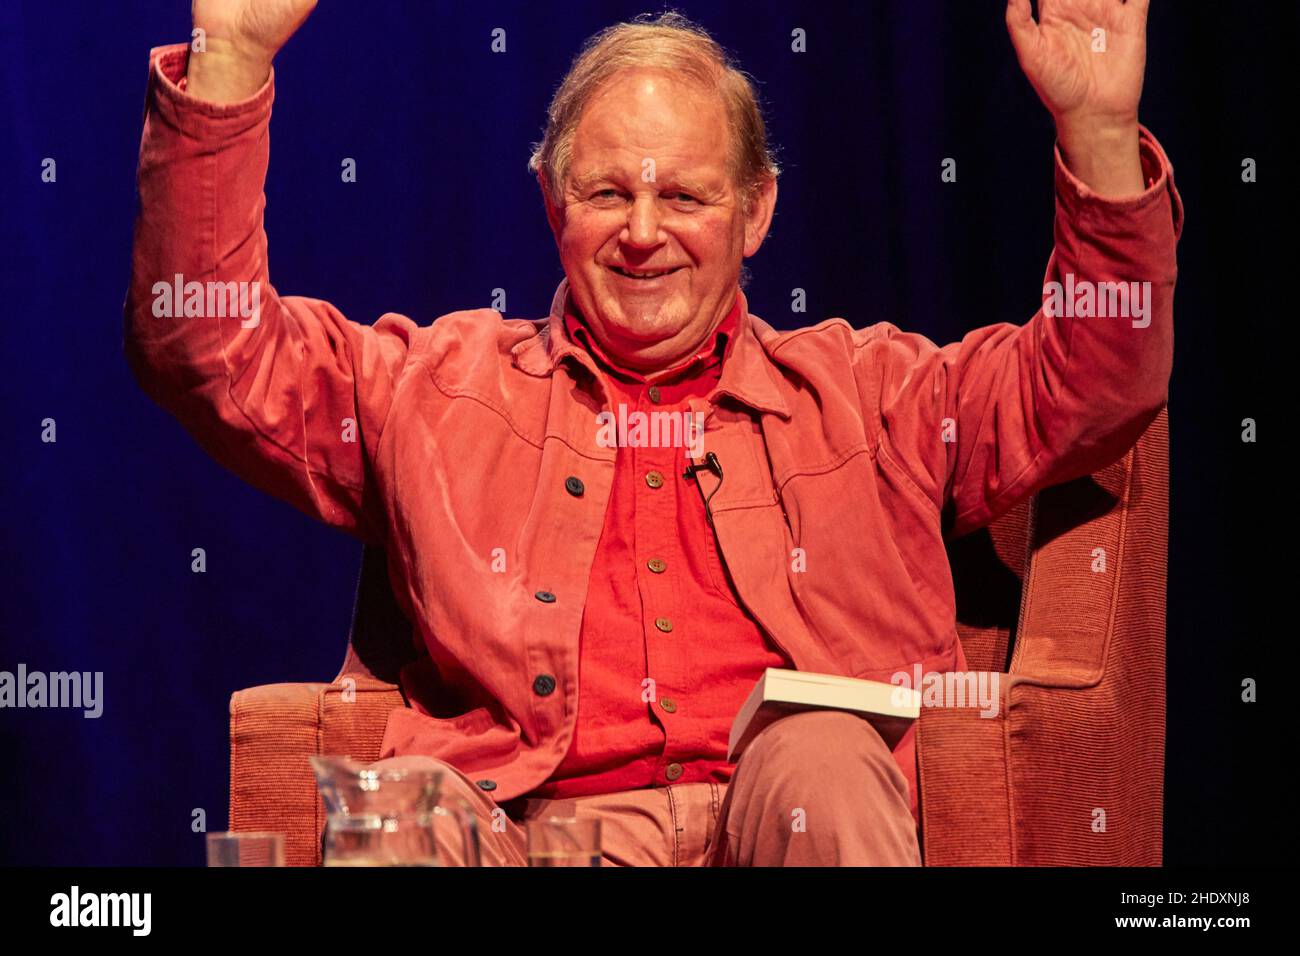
pixel 657 565
pixel 654 394
pixel 654 479
pixel 668 704
pixel 673 771
pixel 546 597
pixel 664 624
pixel 543 684
pixel 487 784
pixel 574 486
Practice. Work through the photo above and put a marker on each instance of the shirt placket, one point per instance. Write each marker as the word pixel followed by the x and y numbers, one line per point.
pixel 658 566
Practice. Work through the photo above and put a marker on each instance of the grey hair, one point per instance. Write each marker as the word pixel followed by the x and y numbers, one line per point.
pixel 672 43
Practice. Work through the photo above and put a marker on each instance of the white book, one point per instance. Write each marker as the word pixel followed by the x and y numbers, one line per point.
pixel 889 708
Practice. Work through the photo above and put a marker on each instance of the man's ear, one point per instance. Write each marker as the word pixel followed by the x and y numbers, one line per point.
pixel 553 215
pixel 759 217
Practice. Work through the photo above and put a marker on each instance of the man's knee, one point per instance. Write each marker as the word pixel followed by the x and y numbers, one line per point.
pixel 821 788
pixel 824 746
pixel 817 734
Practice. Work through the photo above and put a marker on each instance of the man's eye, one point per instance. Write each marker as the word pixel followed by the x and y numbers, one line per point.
pixel 683 196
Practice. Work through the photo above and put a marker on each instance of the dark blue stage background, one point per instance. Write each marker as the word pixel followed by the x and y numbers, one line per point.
pixel 99 526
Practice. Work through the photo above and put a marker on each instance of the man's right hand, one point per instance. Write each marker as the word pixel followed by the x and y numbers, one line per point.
pixel 241 39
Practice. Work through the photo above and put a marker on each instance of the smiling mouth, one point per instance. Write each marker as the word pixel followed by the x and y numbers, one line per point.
pixel 642 274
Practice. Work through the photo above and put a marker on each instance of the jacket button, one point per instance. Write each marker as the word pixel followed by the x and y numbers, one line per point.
pixel 673 771
pixel 487 784
pixel 654 479
pixel 654 394
pixel 656 565
pixel 668 704
pixel 543 684
pixel 573 486
pixel 663 624
pixel 546 597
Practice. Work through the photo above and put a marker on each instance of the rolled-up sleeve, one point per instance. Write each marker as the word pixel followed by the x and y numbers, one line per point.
pixel 983 422
pixel 283 390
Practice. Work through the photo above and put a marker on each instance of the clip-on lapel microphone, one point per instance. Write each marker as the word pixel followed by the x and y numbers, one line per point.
pixel 712 464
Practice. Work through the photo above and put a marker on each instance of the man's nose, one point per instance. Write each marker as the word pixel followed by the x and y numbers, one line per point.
pixel 643 220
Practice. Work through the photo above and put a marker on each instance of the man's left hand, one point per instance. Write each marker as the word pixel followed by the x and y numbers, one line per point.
pixel 1085 59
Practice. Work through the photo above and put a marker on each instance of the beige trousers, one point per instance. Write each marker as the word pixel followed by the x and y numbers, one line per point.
pixel 817 788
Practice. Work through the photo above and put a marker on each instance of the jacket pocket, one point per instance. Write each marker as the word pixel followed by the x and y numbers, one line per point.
pixel 428 695
pixel 476 721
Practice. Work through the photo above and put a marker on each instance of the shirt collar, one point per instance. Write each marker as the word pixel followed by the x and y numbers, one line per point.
pixel 747 374
pixel 710 353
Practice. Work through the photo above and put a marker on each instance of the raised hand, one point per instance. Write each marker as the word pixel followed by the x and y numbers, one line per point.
pixel 242 37
pixel 1086 59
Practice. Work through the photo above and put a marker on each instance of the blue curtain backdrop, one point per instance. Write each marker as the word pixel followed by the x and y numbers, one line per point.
pixel 99 526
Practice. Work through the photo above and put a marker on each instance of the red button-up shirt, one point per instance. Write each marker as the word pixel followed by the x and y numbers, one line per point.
pixel 667 654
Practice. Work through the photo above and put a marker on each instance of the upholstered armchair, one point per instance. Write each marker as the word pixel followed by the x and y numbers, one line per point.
pixel 1063 599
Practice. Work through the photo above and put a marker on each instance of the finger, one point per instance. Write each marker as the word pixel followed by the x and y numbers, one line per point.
pixel 1021 25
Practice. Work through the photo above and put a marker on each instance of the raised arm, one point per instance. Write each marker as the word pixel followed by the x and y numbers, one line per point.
pixel 981 423
pixel 284 391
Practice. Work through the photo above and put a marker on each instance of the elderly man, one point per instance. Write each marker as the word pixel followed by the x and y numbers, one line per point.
pixel 594 598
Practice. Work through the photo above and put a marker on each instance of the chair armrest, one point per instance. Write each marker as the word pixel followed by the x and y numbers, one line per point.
pixel 1059 776
pixel 960 753
pixel 1070 771
pixel 274 728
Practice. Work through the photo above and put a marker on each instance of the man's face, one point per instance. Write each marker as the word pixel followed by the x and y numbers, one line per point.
pixel 649 191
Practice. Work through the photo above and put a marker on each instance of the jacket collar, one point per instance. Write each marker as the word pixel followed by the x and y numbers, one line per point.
pixel 747 373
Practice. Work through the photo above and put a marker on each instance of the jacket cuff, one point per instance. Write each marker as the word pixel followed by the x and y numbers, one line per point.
pixel 1076 198
pixel 189 114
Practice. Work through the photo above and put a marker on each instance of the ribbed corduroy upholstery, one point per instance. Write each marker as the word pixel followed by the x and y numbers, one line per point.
pixel 274 729
pixel 1070 771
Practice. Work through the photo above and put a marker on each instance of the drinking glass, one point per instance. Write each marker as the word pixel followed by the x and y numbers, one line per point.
pixel 245 849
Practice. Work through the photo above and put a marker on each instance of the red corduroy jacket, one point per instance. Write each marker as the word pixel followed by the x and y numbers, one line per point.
pixel 849 454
